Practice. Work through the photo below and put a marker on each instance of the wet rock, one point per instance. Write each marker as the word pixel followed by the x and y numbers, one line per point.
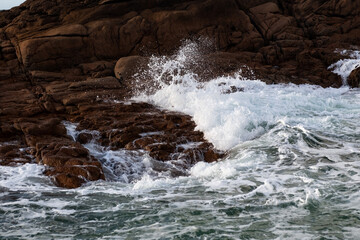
pixel 212 156
pixel 128 126
pixel 14 153
pixel 57 62
pixel 84 138
pixel 69 163
pixel 67 180
pixel 140 143
pixel 233 89
pixel 354 78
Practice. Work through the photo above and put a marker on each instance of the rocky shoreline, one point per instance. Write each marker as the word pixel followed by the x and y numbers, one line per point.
pixel 59 61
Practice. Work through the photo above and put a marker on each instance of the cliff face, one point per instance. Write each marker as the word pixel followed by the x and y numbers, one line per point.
pixel 57 60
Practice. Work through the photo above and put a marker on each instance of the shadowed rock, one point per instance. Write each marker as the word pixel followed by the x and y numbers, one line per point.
pixel 354 78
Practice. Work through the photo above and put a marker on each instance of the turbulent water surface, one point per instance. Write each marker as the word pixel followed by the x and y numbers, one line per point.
pixel 292 171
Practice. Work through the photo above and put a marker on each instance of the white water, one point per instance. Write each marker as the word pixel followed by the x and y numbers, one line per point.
pixel 229 119
pixel 344 67
pixel 123 165
pixel 292 171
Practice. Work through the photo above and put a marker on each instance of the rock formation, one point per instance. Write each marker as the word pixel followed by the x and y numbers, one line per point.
pixel 57 62
pixel 354 78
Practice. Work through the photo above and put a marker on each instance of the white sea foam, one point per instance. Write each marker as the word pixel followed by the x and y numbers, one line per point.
pixel 278 137
pixel 228 119
pixel 291 167
pixel 271 133
pixel 119 165
pixel 344 67
pixel 124 165
pixel 27 177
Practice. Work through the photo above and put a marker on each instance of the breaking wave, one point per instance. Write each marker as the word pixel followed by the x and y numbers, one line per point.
pixel 292 169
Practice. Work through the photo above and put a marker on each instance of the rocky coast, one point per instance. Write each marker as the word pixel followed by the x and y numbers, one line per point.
pixel 76 61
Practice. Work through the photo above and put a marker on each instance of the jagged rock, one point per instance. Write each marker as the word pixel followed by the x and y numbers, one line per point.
pixel 128 126
pixel 68 162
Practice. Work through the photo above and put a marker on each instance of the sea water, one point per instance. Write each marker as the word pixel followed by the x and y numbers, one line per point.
pixel 292 170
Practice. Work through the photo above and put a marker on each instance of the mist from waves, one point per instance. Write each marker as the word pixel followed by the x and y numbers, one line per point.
pixel 292 170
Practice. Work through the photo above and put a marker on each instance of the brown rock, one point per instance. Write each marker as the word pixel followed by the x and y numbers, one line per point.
pixel 38 53
pixel 51 126
pixel 354 78
pixel 69 162
pixel 68 181
pixel 57 61
pixel 96 67
pixel 96 83
pixel 47 76
pixel 84 138
pixel 126 67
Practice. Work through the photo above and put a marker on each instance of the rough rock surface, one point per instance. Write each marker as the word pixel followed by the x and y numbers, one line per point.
pixel 354 78
pixel 57 61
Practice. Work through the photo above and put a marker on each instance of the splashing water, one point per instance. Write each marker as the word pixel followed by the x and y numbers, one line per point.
pixel 124 165
pixel 228 118
pixel 292 171
pixel 344 67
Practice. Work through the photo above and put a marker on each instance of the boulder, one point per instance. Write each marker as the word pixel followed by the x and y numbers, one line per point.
pixel 354 78
pixel 127 67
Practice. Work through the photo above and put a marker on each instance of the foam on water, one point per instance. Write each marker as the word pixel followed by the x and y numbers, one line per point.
pixel 228 119
pixel 124 165
pixel 286 144
pixel 28 177
pixel 121 165
pixel 292 170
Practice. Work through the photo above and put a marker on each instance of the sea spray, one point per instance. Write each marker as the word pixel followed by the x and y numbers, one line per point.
pixel 292 172
pixel 344 67
pixel 228 119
